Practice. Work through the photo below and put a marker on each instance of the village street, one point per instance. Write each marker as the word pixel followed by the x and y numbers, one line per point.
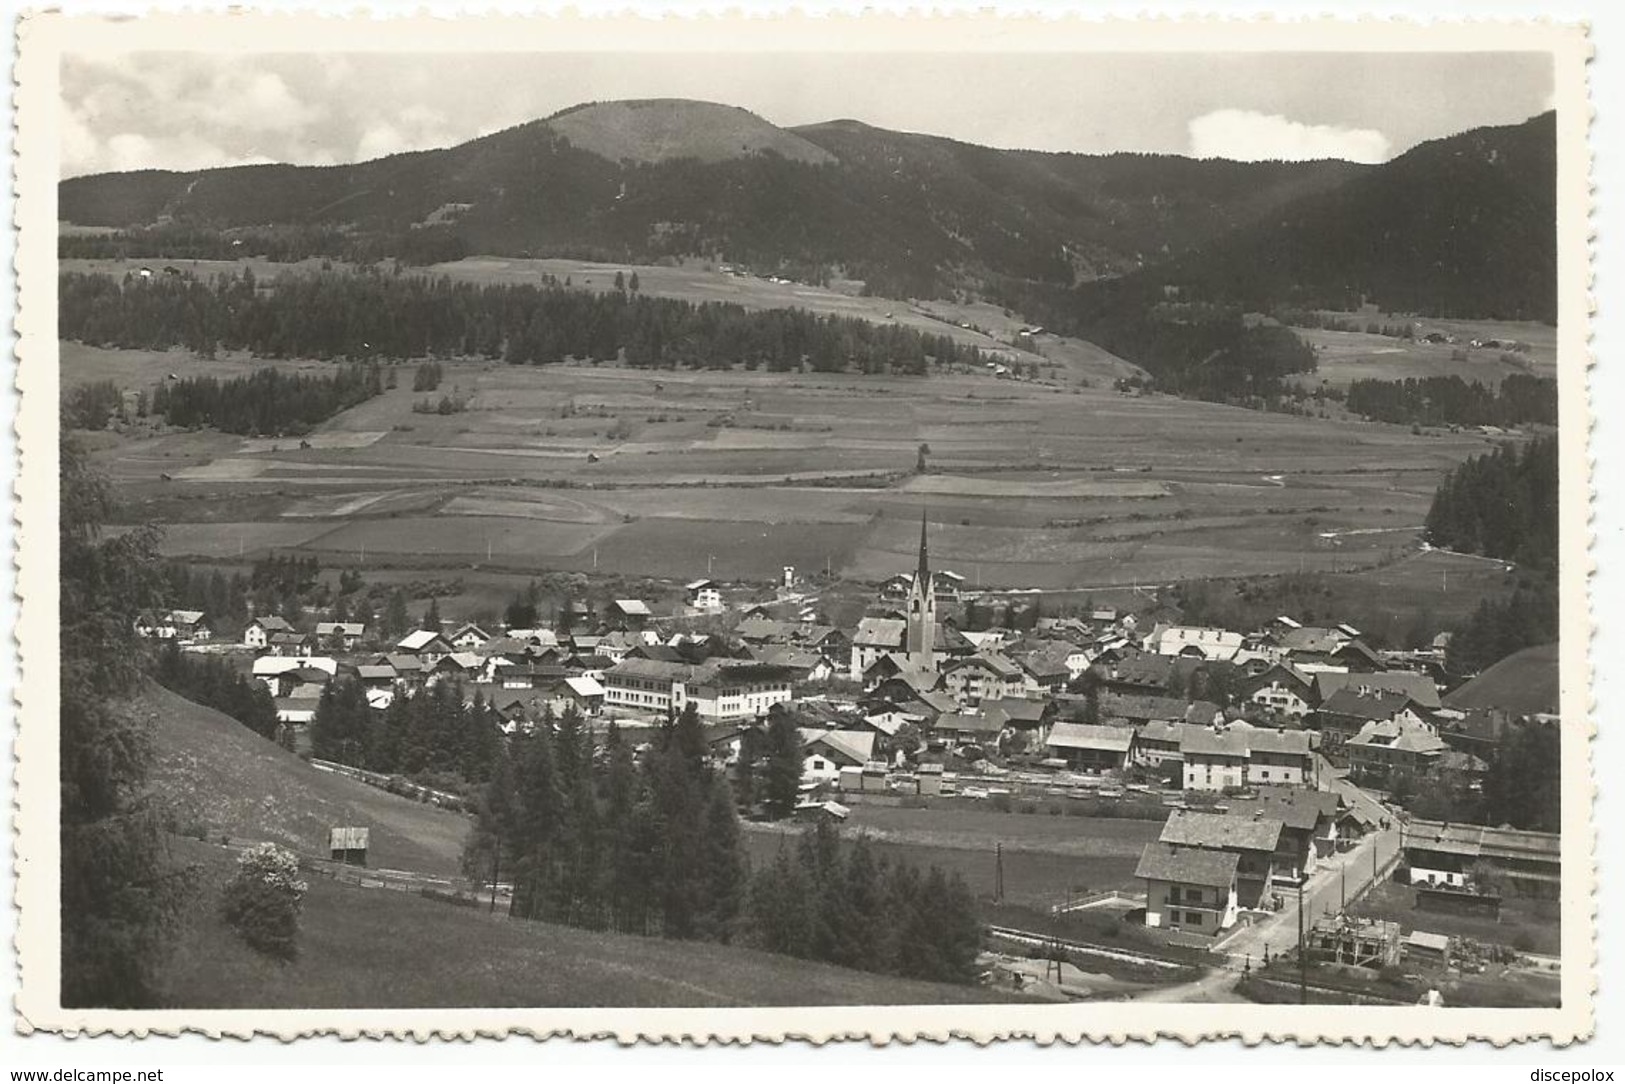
pixel 1340 878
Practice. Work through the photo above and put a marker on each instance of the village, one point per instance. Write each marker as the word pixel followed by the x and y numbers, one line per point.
pixel 1283 762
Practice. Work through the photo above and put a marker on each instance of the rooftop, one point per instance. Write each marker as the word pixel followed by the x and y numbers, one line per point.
pixel 1223 831
pixel 1187 865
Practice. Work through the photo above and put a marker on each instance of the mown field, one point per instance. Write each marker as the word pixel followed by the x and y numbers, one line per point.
pixel 1347 356
pixel 372 948
pixel 734 474
pixel 1047 859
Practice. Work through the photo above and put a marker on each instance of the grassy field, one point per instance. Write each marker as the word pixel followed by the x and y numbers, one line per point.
pixel 1347 356
pixel 1029 485
pixel 371 948
pixel 1046 859
pixel 221 779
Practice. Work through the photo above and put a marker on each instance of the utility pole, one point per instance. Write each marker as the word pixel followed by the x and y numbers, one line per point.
pixel 496 869
pixel 998 872
pixel 1303 955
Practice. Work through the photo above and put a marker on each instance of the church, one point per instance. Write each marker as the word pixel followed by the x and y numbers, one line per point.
pixel 918 643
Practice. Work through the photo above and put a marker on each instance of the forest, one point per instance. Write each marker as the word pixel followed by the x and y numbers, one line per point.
pixel 650 844
pixel 362 315
pixel 1450 400
pixel 1501 504
pixel 211 681
pixel 266 402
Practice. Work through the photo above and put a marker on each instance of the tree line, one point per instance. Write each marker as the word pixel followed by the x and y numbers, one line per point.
pixel 266 402
pixel 211 681
pixel 1449 400
pixel 369 314
pixel 1500 627
pixel 1501 504
pixel 279 244
pixel 435 732
pixel 650 844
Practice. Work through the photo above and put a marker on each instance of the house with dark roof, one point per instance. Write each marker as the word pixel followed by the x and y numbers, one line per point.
pixel 1214 758
pixel 1168 709
pixel 291 644
pixel 1253 839
pixel 965 728
pixel 1343 714
pixel 1438 853
pixel 1418 688
pixel 1282 690
pixel 1308 825
pixel 985 675
pixel 258 632
pixel 1189 888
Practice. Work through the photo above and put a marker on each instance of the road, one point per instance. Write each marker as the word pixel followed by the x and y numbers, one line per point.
pixel 1341 877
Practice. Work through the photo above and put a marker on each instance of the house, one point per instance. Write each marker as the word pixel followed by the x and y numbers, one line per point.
pixel 1385 746
pixel 629 613
pixel 1215 758
pixel 1092 749
pixel 1046 669
pixel 287 644
pixel 972 679
pixel 647 685
pixel 1308 825
pixel 428 646
pixel 295 711
pixel 1017 713
pixel 1282 690
pixel 703 596
pixel 153 626
pixel 1280 757
pixel 258 632
pixel 458 665
pixel 1207 644
pixel 1157 742
pixel 1145 709
pixel 1343 714
pixel 1253 839
pixel 804 665
pixel 340 635
pixel 409 669
pixel 961 728
pixel 469 637
pixel 586 694
pixel 376 675
pixel 1418 688
pixel 190 626
pixel 825 752
pixel 1188 888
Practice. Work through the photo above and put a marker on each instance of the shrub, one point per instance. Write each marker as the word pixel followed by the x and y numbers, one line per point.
pixel 262 900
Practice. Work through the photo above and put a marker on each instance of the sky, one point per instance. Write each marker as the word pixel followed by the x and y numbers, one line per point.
pixel 191 110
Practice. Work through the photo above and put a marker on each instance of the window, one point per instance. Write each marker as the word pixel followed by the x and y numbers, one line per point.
pixel 1193 918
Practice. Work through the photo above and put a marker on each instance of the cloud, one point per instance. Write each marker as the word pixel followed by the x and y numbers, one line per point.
pixel 1247 136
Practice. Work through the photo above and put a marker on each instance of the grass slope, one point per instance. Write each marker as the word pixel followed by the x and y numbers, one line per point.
pixel 222 778
pixel 659 129
pixel 376 949
pixel 1524 683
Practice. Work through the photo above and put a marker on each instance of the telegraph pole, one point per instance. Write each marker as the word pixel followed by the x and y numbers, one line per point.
pixel 1303 955
pixel 496 870
pixel 998 872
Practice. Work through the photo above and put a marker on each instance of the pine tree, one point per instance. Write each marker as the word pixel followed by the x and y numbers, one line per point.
pixel 781 782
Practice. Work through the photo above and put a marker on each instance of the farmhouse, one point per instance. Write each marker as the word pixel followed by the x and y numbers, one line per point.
pixel 825 752
pixel 1282 689
pixel 1253 839
pixel 1419 689
pixel 258 632
pixel 1146 709
pixel 629 613
pixel 983 676
pixel 469 637
pixel 1280 757
pixel 291 643
pixel 963 728
pixel 190 625
pixel 1092 749
pixel 703 596
pixel 1188 888
pixel 428 646
pixel 340 635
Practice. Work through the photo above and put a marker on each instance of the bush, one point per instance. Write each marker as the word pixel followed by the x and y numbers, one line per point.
pixel 262 900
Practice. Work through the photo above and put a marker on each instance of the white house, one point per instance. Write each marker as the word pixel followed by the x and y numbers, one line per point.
pixel 258 632
pixel 704 596
pixel 825 752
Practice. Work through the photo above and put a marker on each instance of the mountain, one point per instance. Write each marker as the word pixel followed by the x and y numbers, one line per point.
pixel 1463 226
pixel 663 129
pixel 912 215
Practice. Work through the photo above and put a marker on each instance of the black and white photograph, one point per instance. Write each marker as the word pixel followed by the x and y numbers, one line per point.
pixel 949 536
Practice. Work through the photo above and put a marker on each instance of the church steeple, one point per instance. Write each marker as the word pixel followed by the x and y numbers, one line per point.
pixel 925 568
pixel 920 634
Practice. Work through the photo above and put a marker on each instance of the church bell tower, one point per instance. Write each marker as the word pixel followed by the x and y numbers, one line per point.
pixel 922 612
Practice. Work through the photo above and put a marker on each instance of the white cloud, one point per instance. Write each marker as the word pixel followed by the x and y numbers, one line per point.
pixel 1247 136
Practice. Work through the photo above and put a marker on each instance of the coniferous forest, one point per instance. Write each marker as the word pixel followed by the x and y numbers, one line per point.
pixel 1450 400
pixel 650 844
pixel 369 314
pixel 1501 504
pixel 266 402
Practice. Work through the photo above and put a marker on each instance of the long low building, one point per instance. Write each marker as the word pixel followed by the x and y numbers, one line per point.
pixel 1090 748
pixel 1437 853
pixel 720 689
